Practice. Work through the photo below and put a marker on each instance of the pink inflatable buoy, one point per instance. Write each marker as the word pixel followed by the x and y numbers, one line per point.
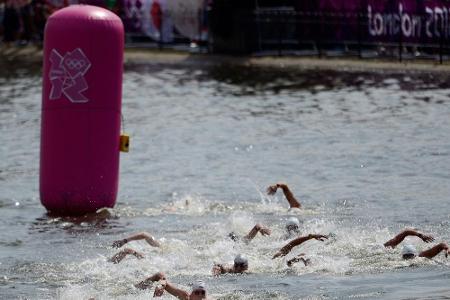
pixel 81 110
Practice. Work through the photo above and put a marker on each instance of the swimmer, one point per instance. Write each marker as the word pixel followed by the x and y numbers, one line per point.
pixel 292 228
pixel 118 257
pixel 293 202
pixel 409 251
pixel 251 234
pixel 240 266
pixel 295 242
pixel 198 289
pixel 172 207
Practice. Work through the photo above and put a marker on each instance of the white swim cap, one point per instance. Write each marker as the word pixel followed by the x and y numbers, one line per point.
pixel 409 249
pixel 199 285
pixel 293 221
pixel 240 259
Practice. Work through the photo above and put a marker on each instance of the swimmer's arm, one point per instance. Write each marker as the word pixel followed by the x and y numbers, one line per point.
pixel 288 247
pixel 408 232
pixel 174 291
pixel 432 252
pixel 118 257
pixel 297 259
pixel 293 202
pixel 298 241
pixel 221 269
pixel 136 237
pixel 148 282
pixel 257 228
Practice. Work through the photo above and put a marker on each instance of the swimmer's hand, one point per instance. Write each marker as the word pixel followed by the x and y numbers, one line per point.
pixel 159 289
pixel 158 276
pixel 446 249
pixel 298 258
pixel 425 238
pixel 149 281
pixel 217 270
pixel 265 231
pixel 257 228
pixel 271 190
pixel 137 254
pixel 119 243
pixel 319 237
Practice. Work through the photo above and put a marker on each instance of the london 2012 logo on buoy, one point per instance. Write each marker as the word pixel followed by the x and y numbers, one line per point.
pixel 67 75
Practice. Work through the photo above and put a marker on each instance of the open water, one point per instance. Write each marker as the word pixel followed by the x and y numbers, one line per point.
pixel 367 154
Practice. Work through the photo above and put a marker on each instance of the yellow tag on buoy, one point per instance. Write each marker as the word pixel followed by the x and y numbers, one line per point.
pixel 124 143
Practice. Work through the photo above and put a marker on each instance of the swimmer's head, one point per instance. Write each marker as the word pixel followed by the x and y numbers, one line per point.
pixel 292 225
pixel 409 251
pixel 240 263
pixel 198 290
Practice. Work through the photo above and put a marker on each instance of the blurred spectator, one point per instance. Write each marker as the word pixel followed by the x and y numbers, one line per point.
pixel 54 5
pixel 2 13
pixel 114 6
pixel 41 14
pixel 26 21
pixel 11 21
pixel 204 22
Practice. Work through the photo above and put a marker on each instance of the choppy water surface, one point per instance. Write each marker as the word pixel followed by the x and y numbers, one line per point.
pixel 367 154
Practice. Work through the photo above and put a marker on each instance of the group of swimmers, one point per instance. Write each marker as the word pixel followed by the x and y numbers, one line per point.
pixel 240 264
